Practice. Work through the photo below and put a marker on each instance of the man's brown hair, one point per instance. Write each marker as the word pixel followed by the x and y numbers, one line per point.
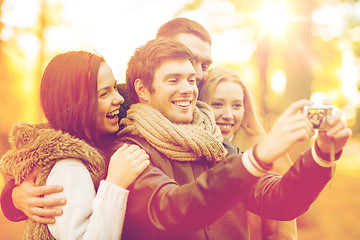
pixel 183 25
pixel 148 58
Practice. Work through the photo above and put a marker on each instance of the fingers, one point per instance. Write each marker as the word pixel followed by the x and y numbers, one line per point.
pixel 46 190
pixel 139 159
pixel 140 155
pixel 142 161
pixel 130 152
pixel 294 123
pixel 134 149
pixel 120 150
pixel 47 202
pixel 42 220
pixel 125 149
pixel 143 166
pixel 29 199
pixel 336 125
pixel 42 210
pixel 300 135
pixel 46 212
pixel 295 107
pixel 344 133
pixel 127 164
pixel 300 121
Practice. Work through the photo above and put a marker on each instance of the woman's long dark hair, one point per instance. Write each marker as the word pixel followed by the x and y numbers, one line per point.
pixel 68 94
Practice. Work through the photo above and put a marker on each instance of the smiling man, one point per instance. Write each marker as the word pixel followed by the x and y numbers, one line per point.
pixel 176 92
pixel 195 37
pixel 194 189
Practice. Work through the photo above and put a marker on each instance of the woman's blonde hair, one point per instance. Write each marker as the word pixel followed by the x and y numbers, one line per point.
pixel 251 120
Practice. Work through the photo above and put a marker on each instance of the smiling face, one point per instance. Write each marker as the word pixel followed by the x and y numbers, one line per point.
pixel 175 91
pixel 227 103
pixel 109 101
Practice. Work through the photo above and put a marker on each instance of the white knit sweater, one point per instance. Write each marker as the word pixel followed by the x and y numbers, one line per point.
pixel 87 214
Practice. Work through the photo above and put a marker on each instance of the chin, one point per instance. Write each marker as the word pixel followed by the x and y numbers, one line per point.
pixel 182 121
pixel 113 130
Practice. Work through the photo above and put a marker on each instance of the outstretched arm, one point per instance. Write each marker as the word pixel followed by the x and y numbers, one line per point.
pixel 293 126
pixel 306 178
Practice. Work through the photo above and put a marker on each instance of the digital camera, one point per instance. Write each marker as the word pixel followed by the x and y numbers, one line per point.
pixel 318 115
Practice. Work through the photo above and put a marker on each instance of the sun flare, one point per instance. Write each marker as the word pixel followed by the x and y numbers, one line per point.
pixel 274 18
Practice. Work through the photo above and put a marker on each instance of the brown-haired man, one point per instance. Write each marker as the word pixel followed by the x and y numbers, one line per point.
pixel 194 190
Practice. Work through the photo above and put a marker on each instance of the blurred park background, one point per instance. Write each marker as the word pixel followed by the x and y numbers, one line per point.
pixel 284 49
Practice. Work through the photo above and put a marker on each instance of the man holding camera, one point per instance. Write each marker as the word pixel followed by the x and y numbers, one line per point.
pixel 194 189
pixel 197 202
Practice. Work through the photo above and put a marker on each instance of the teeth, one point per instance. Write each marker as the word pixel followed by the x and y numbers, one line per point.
pixel 182 104
pixel 225 126
pixel 113 114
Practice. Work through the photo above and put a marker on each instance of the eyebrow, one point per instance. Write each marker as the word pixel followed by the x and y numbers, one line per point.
pixel 209 61
pixel 108 87
pixel 104 88
pixel 169 75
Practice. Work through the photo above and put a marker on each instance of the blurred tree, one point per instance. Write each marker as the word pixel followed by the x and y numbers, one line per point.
pixel 22 62
pixel 11 105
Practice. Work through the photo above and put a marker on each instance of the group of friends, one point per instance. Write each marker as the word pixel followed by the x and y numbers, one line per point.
pixel 178 152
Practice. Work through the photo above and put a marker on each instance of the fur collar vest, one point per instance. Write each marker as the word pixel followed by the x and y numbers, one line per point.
pixel 39 147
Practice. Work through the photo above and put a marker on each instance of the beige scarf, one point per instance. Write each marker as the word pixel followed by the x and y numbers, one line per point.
pixel 179 142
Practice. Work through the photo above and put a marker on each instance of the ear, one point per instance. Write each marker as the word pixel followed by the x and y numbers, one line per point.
pixel 142 92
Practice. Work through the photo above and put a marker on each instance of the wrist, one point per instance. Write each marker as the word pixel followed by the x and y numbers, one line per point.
pixel 265 165
pixel 260 151
pixel 323 155
pixel 117 182
pixel 252 165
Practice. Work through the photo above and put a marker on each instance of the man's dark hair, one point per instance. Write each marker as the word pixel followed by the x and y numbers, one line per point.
pixel 183 25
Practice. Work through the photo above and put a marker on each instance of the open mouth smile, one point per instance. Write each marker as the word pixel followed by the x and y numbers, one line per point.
pixel 182 103
pixel 224 126
pixel 112 114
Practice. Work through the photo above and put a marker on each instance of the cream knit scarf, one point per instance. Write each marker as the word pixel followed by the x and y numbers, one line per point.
pixel 178 142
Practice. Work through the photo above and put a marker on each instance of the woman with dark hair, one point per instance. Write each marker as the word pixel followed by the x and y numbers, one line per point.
pixel 81 103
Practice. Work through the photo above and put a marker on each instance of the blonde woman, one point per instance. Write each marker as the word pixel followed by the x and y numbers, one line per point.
pixel 236 115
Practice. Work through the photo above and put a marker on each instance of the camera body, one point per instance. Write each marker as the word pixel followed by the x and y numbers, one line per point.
pixel 318 115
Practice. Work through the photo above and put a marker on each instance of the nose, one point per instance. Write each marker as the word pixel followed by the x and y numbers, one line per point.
pixel 199 71
pixel 227 113
pixel 118 99
pixel 185 87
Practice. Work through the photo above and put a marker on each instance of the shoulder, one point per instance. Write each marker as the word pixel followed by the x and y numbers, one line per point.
pixel 68 170
pixel 69 163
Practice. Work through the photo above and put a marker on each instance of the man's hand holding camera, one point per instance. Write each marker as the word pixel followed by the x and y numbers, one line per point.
pixel 291 126
pixel 295 125
pixel 336 132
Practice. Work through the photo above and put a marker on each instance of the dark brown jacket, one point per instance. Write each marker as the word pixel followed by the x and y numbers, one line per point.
pixel 195 200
